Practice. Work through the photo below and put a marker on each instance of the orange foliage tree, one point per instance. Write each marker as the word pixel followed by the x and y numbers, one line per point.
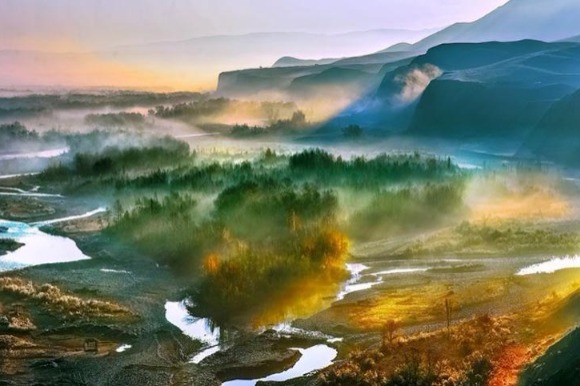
pixel 211 263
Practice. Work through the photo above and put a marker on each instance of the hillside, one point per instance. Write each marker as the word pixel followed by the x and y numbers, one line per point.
pixel 279 78
pixel 492 89
pixel 471 90
pixel 557 135
pixel 559 366
pixel 337 78
pixel 542 20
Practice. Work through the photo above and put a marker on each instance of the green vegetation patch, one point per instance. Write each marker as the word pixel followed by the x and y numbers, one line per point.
pixel 406 209
pixel 500 239
pixel 259 238
pixel 121 119
pixel 246 232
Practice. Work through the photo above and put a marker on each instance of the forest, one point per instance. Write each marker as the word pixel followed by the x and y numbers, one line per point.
pixel 244 233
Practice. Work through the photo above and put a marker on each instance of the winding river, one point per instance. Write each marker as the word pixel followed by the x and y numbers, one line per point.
pixel 39 247
pixel 313 358
pixel 51 153
pixel 362 277
pixel 553 265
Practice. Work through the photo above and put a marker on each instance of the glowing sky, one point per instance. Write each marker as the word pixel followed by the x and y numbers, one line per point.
pixel 66 25
pixel 96 43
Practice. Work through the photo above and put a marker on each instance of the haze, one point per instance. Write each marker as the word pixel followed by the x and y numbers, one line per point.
pixel 183 44
pixel 68 24
pixel 250 192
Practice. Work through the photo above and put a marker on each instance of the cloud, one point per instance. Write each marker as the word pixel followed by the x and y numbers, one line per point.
pixel 416 80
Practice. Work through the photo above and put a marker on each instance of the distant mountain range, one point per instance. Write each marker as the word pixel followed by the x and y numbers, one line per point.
pixel 263 49
pixel 545 20
pixel 513 74
pixel 189 63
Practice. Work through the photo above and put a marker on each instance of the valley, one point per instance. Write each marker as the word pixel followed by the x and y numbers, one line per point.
pixel 482 250
pixel 290 193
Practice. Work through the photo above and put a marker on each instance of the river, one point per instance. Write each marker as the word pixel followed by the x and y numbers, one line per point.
pixel 37 154
pixel 42 248
pixel 39 247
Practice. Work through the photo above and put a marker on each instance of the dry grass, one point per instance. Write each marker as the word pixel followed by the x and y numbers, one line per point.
pixel 489 349
pixel 419 304
pixel 436 358
pixel 67 306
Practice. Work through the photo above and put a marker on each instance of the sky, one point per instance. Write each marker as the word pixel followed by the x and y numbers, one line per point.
pixel 84 25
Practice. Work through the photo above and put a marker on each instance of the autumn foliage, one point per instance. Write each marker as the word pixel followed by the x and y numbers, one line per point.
pixel 211 263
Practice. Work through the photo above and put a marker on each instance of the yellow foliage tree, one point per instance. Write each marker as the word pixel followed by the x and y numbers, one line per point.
pixel 211 263
pixel 336 246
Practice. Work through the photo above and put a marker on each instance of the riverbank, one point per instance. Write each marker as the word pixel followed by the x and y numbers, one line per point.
pixel 159 351
pixel 53 348
pixel 515 294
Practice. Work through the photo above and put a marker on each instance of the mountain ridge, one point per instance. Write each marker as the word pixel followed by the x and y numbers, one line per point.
pixel 515 20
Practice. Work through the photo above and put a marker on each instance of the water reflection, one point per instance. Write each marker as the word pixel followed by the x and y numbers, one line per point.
pixel 38 247
pixel 313 359
pixel 303 298
pixel 200 329
pixel 551 266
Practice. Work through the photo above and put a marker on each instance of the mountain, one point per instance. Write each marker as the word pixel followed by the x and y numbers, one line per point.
pixel 494 89
pixel 573 39
pixel 546 20
pixel 399 47
pixel 335 79
pixel 557 136
pixel 279 79
pixel 206 57
pixel 381 57
pixel 488 90
pixel 289 81
pixel 359 40
pixel 262 49
pixel 558 366
pixel 289 61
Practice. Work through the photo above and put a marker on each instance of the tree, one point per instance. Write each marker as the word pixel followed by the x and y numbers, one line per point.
pixel 294 221
pixel 211 263
pixel 389 332
pixel 352 131
pixel 298 119
pixel 448 311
